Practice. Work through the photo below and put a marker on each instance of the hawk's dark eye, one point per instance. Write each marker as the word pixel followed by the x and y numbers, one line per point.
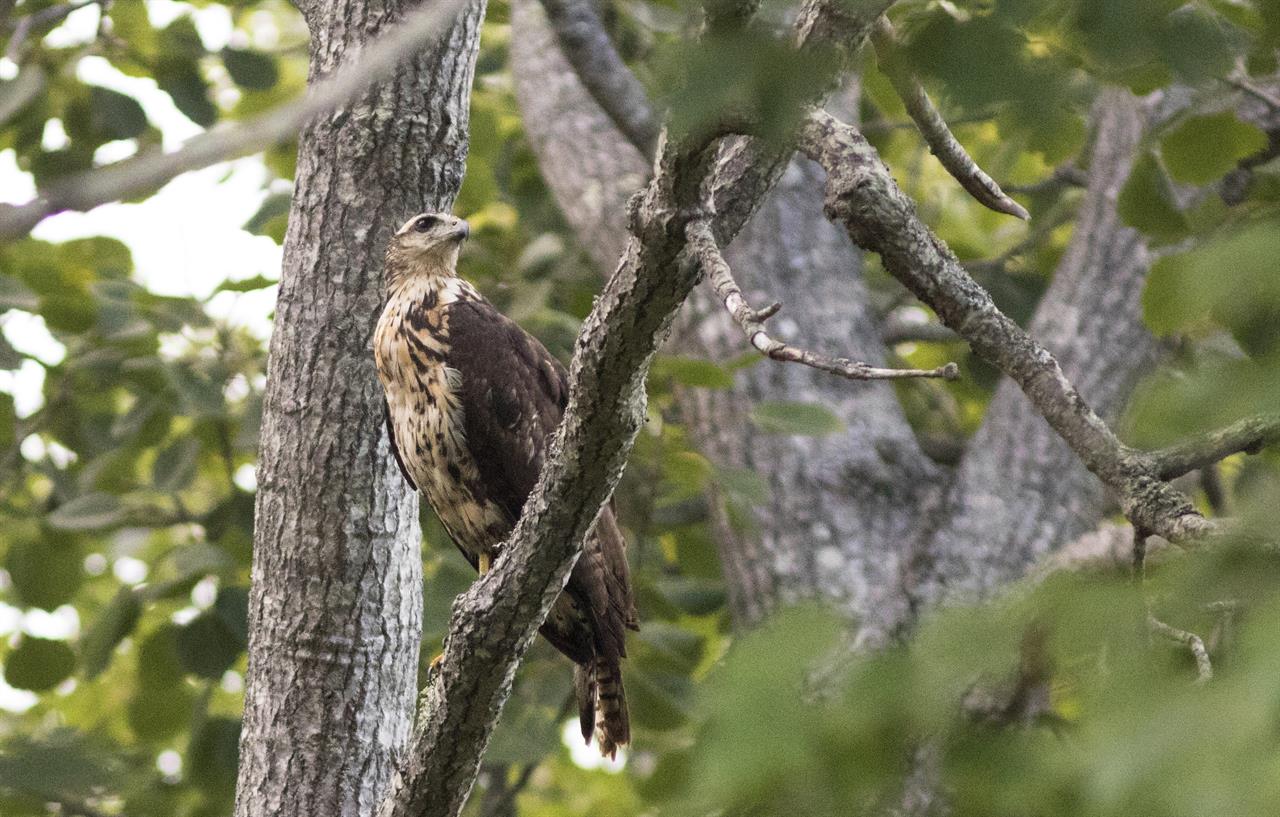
pixel 425 223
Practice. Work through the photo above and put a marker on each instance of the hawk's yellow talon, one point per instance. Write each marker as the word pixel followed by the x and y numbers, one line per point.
pixel 435 663
pixel 485 563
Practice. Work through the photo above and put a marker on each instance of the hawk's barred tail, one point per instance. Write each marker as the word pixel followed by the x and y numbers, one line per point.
pixel 602 705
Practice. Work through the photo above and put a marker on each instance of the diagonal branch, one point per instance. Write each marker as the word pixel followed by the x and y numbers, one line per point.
pixel 149 171
pixel 1248 436
pixel 942 143
pixel 599 66
pixel 862 196
pixel 705 251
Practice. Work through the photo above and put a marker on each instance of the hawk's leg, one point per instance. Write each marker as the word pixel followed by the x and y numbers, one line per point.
pixel 485 562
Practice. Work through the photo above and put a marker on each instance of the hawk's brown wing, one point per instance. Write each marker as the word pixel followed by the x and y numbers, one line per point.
pixel 395 449
pixel 514 393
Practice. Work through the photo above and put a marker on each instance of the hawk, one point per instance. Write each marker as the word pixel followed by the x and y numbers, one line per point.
pixel 472 401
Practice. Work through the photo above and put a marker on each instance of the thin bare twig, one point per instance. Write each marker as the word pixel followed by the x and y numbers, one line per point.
pixel 1248 436
pixel 703 247
pixel 149 171
pixel 1188 639
pixel 942 143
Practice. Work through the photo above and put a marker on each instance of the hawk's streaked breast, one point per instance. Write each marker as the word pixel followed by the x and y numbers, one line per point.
pixel 411 346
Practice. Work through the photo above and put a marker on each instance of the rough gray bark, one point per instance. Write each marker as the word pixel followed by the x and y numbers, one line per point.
pixel 853 491
pixel 1020 491
pixel 336 601
pixel 864 518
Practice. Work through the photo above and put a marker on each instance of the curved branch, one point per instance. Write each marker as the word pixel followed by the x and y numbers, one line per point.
pixel 599 66
pixel 942 143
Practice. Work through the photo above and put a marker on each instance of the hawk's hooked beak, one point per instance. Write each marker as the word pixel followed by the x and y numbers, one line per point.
pixel 462 230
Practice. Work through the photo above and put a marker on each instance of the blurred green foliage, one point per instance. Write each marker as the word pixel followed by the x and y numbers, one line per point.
pixel 127 504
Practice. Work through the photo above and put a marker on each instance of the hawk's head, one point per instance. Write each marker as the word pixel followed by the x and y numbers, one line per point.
pixel 432 239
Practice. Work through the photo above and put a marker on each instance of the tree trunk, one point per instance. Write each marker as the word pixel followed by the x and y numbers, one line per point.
pixel 336 604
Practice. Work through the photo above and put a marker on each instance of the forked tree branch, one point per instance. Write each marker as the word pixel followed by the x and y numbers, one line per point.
pixel 942 143
pixel 149 171
pixel 706 252
pixel 863 197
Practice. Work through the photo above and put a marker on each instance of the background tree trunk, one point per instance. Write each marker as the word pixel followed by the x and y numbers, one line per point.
pixel 1020 491
pixel 863 518
pixel 336 605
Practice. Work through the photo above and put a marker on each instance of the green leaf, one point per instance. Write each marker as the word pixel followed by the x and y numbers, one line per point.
pixel 8 415
pixel 71 310
pixel 46 572
pixel 207 647
pixel 232 607
pixel 116 115
pixel 57 765
pixel 1198 44
pixel 39 664
pixel 784 417
pixel 247 284
pixel 686 473
pixel 250 69
pixel 130 22
pixel 1204 148
pixel 182 38
pixel 176 465
pixel 93 511
pixel 653 705
pixel 214 753
pixel 112 626
pixel 181 79
pixel 159 664
pixel 1146 202
pixel 15 295
pixel 668 648
pixel 1230 281
pixel 690 371
pixel 697 597
pixel 161 714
